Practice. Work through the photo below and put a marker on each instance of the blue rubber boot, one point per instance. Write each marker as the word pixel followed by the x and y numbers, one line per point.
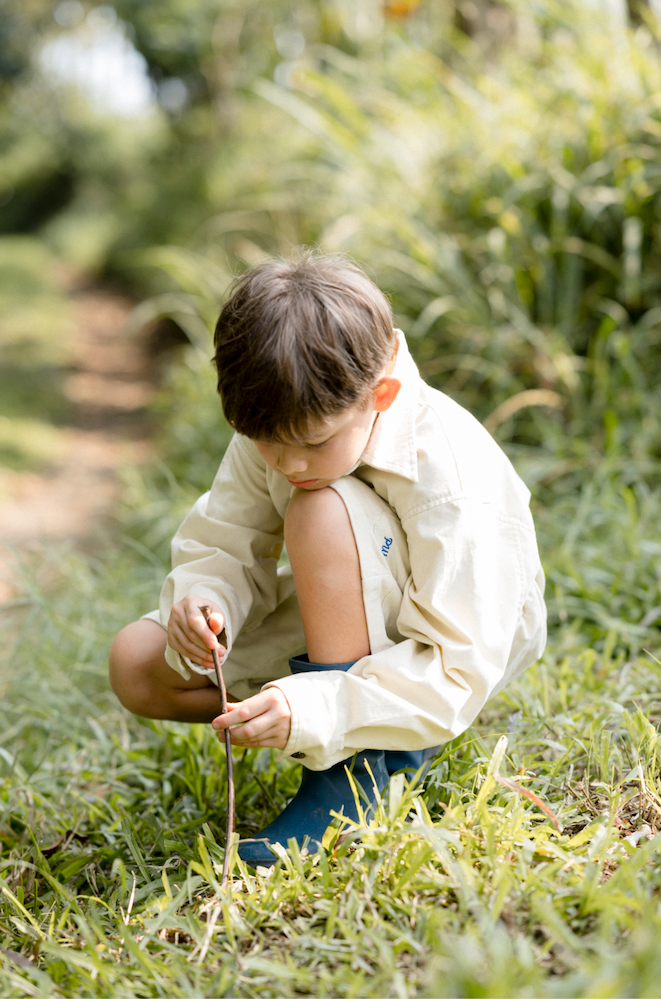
pixel 321 791
pixel 410 759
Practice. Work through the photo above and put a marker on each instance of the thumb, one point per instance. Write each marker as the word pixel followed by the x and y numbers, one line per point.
pixel 223 721
pixel 216 622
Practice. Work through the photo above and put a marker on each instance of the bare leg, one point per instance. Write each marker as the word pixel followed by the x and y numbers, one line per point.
pixel 324 559
pixel 147 686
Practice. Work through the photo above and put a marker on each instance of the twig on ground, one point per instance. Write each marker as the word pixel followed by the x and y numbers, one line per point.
pixel 229 829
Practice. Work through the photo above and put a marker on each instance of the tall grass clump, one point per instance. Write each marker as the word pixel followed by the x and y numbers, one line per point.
pixel 508 203
pixel 512 212
pixel 509 206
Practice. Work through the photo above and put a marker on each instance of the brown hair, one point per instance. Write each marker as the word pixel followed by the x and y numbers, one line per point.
pixel 298 341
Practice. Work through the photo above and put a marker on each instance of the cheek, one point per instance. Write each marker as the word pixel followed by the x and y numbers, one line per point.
pixel 267 454
pixel 346 451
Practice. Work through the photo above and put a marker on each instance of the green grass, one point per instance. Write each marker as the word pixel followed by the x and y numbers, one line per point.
pixel 112 827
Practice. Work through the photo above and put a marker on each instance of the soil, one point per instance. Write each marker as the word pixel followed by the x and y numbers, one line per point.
pixel 108 387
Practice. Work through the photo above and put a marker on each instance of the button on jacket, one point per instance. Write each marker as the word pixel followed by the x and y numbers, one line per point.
pixel 472 614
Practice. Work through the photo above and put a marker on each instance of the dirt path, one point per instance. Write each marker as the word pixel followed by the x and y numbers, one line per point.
pixel 108 387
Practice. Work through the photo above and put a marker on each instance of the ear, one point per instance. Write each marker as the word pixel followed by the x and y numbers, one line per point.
pixel 385 393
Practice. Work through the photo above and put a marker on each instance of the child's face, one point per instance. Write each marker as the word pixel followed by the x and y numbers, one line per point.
pixel 334 446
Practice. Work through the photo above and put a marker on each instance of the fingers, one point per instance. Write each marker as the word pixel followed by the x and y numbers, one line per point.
pixel 216 623
pixel 273 739
pixel 255 714
pixel 179 640
pixel 197 624
pixel 262 720
pixel 189 634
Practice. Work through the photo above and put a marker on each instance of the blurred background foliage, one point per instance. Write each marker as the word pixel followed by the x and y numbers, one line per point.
pixel 493 164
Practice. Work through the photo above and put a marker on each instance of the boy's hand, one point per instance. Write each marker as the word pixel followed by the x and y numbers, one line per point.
pixel 189 634
pixel 262 720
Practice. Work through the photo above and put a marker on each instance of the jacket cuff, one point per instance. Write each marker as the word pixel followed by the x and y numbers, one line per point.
pixel 178 663
pixel 313 738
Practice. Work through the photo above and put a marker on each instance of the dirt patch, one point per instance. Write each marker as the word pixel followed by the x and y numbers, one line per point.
pixel 108 387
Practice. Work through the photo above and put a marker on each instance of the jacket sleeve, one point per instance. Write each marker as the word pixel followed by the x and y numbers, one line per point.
pixel 218 554
pixel 472 615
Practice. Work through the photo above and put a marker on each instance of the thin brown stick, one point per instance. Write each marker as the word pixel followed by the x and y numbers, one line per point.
pixel 230 763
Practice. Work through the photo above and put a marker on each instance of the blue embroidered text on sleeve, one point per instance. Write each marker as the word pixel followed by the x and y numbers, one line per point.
pixel 385 547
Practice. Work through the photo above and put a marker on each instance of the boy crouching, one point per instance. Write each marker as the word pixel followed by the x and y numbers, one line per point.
pixel 414 590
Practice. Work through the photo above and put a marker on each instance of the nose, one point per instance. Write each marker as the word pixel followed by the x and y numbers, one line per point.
pixel 290 461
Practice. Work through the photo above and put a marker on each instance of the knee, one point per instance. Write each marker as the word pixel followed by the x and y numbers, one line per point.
pixel 134 656
pixel 317 526
pixel 315 516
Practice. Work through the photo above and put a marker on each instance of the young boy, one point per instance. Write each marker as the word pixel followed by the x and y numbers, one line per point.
pixel 414 590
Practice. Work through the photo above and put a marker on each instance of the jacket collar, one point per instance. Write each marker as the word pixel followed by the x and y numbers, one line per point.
pixel 392 444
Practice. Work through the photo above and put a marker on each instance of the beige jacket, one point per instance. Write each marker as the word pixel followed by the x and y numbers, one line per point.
pixel 472 614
